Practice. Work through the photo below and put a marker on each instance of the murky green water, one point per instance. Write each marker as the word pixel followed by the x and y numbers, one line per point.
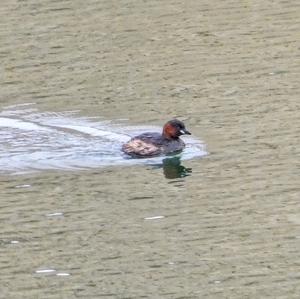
pixel 231 228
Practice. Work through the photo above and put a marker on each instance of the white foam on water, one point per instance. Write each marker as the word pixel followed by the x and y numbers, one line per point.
pixel 23 186
pixel 34 141
pixel 154 217
pixel 62 274
pixel 55 214
pixel 45 271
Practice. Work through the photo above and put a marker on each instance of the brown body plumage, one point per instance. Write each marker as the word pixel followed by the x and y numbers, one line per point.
pixel 155 144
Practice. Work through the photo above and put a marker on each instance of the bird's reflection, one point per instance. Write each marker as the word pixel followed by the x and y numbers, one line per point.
pixel 173 169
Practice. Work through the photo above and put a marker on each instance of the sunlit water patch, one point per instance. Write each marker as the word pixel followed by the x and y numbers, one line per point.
pixel 33 141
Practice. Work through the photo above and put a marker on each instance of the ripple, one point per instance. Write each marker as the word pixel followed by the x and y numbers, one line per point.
pixel 33 141
pixel 45 271
pixel 154 217
pixel 63 274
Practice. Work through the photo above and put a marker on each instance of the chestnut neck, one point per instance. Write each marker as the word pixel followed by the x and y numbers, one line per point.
pixel 170 132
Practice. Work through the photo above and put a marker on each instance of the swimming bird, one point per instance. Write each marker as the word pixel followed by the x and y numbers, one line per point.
pixel 152 144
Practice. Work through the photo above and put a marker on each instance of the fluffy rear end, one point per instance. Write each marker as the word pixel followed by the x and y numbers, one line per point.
pixel 140 148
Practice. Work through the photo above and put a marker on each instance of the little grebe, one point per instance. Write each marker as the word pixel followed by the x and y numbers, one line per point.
pixel 155 144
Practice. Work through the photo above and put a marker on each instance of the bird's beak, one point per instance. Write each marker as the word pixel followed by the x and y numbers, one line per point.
pixel 185 131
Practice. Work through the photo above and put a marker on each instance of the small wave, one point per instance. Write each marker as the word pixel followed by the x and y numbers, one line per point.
pixel 32 141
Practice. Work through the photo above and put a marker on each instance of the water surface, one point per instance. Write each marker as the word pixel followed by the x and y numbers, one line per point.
pixel 228 69
pixel 32 141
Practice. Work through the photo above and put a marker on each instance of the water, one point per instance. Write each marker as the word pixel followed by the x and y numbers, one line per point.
pixel 222 225
pixel 31 141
